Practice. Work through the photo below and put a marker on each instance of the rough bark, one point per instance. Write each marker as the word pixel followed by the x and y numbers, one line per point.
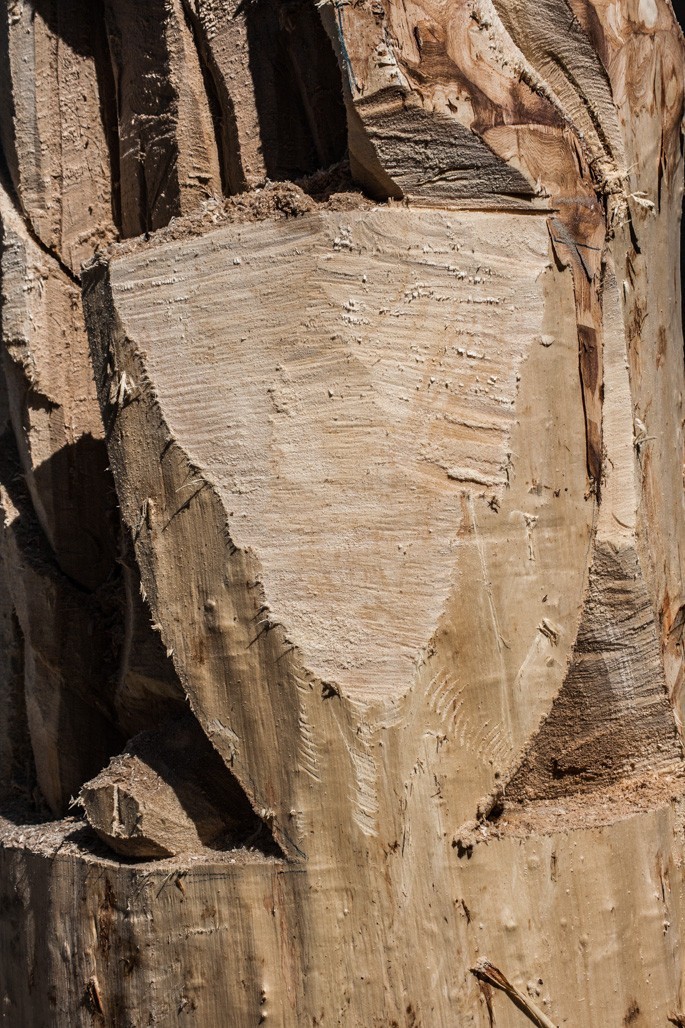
pixel 369 676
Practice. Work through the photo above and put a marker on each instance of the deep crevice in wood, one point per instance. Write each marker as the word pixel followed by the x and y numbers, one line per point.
pixel 108 104
pixel 297 86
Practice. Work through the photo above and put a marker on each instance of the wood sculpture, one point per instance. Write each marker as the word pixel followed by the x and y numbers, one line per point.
pixel 342 482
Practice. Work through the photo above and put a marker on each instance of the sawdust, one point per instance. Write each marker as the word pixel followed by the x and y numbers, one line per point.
pixel 327 190
pixel 604 807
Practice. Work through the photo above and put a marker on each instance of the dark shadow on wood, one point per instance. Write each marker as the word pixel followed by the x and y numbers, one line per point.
pixel 297 87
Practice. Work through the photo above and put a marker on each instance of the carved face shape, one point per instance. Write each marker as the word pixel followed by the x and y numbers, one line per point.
pixel 357 378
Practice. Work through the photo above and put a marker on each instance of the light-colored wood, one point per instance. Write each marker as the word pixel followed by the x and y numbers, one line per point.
pixel 401 368
pixel 382 725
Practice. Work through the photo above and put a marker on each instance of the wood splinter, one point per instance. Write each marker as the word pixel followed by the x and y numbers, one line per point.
pixel 486 972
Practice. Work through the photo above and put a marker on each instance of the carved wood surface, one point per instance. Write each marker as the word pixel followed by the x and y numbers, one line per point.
pixel 342 488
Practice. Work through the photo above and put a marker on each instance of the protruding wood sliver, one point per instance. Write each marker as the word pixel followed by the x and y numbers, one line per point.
pixel 486 972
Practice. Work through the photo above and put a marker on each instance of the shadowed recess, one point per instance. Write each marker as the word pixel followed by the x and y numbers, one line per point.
pixel 298 89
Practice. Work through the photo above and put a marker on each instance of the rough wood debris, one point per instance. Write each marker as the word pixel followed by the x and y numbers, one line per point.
pixel 341 401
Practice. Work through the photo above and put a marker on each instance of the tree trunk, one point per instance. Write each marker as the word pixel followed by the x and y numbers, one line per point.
pixel 341 628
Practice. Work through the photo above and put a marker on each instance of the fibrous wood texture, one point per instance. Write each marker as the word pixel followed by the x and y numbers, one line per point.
pixel 343 517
